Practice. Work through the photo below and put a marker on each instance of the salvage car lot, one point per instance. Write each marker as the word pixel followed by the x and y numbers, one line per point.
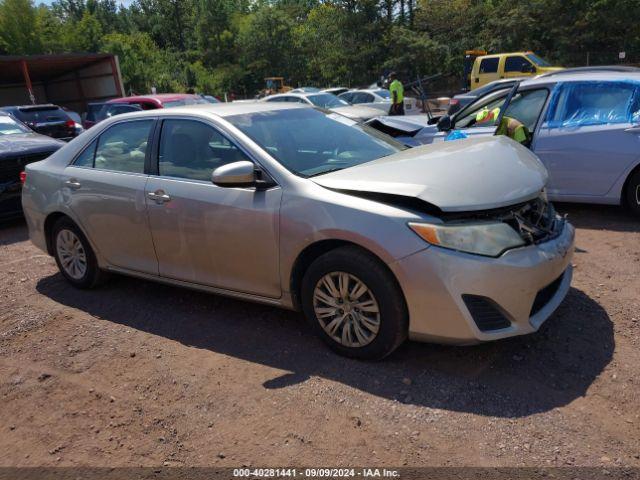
pixel 136 373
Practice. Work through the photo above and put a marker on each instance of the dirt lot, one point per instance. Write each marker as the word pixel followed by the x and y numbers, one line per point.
pixel 137 373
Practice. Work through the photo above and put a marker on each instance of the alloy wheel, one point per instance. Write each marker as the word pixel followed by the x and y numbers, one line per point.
pixel 71 253
pixel 346 309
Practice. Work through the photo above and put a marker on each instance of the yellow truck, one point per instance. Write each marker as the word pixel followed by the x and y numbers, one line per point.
pixel 487 68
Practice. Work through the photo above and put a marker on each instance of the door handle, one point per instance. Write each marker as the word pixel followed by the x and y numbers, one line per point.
pixel 159 197
pixel 73 184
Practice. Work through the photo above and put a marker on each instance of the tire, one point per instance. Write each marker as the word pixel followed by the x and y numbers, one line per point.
pixel 632 193
pixel 353 328
pixel 74 255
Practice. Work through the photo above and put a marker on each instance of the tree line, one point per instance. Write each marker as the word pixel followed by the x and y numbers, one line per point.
pixel 218 46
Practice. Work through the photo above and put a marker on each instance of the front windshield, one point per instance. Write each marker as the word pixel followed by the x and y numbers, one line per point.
pixel 309 142
pixel 539 61
pixel 326 100
pixel 8 126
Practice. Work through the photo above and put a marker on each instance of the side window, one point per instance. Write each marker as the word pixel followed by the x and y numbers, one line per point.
pixel 192 149
pixel 123 147
pixel 526 107
pixel 362 97
pixel 516 64
pixel 469 117
pixel 85 159
pixel 594 103
pixel 347 97
pixel 489 65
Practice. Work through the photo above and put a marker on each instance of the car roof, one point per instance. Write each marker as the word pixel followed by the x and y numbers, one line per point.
pixel 506 53
pixel 160 97
pixel 217 109
pixel 25 108
pixel 296 94
pixel 583 75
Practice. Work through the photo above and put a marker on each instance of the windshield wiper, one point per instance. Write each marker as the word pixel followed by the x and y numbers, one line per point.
pixel 326 171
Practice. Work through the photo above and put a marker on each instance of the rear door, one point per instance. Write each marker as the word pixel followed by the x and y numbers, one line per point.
pixel 590 136
pixel 104 187
pixel 203 233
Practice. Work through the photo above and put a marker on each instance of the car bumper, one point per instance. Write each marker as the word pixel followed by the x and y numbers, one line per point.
pixel 453 297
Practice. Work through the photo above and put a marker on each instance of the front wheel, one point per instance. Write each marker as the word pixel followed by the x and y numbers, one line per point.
pixel 354 304
pixel 74 255
pixel 632 193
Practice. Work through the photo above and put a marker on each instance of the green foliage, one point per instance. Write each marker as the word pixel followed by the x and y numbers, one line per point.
pixel 223 46
pixel 18 34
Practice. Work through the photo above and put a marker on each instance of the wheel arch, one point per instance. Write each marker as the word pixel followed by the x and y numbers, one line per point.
pixel 314 250
pixel 623 192
pixel 51 220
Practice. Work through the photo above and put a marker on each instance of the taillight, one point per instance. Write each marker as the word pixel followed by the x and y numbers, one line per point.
pixel 70 123
pixel 23 177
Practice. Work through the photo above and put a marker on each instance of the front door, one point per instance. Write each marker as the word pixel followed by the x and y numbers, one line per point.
pixel 206 234
pixel 104 187
pixel 588 138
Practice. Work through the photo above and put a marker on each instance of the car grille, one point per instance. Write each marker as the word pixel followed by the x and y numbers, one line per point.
pixel 536 220
pixel 545 295
pixel 10 168
pixel 485 313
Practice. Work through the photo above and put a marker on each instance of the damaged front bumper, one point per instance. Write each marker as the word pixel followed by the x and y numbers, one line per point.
pixel 462 298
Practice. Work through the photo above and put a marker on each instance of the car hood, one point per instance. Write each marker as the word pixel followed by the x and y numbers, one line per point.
pixel 465 175
pixel 357 113
pixel 27 144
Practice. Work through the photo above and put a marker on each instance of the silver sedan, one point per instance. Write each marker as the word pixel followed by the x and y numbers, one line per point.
pixel 294 207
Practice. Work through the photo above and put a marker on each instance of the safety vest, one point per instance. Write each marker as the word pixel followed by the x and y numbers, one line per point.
pixel 396 86
pixel 486 115
pixel 514 129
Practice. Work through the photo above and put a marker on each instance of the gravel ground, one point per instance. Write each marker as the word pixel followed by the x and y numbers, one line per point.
pixel 140 374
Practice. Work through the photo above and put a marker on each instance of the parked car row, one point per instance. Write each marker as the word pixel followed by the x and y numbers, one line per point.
pixel 354 226
pixel 370 99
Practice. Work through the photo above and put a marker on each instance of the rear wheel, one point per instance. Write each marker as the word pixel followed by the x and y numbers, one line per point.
pixel 74 255
pixel 632 193
pixel 354 304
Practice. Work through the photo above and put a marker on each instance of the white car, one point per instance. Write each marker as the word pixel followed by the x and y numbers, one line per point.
pixel 378 98
pixel 327 101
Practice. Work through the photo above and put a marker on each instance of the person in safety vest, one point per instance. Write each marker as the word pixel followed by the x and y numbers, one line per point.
pixel 397 95
pixel 514 129
pixel 486 116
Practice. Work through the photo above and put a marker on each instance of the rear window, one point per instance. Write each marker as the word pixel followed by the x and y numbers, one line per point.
pixel 41 114
pixel 92 110
pixel 184 101
pixel 9 126
pixel 489 65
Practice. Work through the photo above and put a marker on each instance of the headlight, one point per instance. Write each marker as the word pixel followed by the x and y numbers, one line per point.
pixel 489 239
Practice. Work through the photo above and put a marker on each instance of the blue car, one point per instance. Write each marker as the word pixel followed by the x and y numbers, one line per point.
pixel 584 125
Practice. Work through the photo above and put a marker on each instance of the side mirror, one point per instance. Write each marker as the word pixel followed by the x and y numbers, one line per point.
pixel 444 123
pixel 236 174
